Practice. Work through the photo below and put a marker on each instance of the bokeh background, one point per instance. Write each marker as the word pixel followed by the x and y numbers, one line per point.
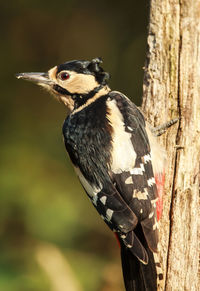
pixel 51 237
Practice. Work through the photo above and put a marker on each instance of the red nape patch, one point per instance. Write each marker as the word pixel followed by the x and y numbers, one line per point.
pixel 160 181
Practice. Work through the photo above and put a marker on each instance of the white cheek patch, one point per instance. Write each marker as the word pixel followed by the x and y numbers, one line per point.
pixel 78 83
pixel 123 154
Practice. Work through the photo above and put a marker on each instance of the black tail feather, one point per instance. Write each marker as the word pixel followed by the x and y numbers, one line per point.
pixel 138 276
pixel 131 271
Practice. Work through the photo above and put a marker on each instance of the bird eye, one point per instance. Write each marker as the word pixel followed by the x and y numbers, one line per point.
pixel 64 76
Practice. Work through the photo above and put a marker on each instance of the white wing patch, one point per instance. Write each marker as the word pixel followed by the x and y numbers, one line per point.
pixel 129 180
pixel 151 214
pixel 103 199
pixel 140 195
pixel 109 214
pixel 147 158
pixel 123 154
pixel 92 190
pixel 137 171
pixel 130 128
pixel 151 181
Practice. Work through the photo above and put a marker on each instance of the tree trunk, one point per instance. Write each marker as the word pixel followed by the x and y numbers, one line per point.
pixel 172 89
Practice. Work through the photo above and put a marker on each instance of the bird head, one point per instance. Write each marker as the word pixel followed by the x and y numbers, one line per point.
pixel 74 83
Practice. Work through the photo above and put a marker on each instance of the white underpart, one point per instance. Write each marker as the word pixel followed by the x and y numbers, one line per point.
pixel 123 154
pixel 91 190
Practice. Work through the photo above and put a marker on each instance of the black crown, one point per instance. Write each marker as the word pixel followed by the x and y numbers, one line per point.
pixel 87 67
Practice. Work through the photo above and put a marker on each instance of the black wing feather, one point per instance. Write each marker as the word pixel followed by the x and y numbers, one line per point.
pixel 134 120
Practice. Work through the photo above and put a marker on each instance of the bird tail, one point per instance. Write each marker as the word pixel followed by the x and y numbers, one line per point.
pixel 139 276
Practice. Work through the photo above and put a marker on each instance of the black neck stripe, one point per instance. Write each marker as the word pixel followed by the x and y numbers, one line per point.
pixel 79 99
pixel 61 90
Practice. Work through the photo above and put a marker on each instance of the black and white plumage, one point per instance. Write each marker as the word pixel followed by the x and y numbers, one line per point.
pixel 106 139
pixel 113 163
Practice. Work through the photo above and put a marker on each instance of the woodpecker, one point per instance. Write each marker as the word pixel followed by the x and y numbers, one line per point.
pixel 117 161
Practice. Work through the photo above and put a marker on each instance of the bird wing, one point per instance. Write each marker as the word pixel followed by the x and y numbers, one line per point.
pixel 135 183
pixel 123 191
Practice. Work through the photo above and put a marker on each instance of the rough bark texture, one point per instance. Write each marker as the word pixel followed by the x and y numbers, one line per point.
pixel 172 89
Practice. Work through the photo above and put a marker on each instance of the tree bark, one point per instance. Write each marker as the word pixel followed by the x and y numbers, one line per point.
pixel 172 89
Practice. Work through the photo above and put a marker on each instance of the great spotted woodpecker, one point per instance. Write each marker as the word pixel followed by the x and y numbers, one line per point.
pixel 117 161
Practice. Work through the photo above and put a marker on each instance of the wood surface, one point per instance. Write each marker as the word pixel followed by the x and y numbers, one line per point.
pixel 172 89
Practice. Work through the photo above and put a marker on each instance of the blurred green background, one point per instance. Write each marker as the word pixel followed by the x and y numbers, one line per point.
pixel 51 238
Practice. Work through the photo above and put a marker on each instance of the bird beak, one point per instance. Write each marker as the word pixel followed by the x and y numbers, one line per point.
pixel 38 78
